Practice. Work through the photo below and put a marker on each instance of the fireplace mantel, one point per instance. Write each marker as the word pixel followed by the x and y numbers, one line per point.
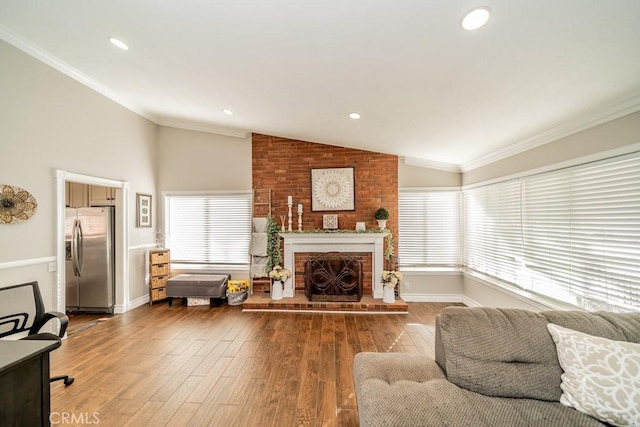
pixel 337 241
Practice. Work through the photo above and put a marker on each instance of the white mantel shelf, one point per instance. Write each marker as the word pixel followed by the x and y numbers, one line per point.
pixel 322 242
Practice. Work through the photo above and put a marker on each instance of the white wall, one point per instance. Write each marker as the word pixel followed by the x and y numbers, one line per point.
pixel 49 121
pixel 197 161
pixel 613 135
pixel 417 176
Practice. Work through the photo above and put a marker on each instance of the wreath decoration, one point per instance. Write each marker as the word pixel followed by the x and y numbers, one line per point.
pixel 16 204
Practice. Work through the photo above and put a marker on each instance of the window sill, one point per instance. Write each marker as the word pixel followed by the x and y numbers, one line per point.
pixel 428 271
pixel 540 301
pixel 202 268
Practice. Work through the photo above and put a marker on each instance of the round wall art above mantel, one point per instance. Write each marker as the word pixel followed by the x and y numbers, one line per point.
pixel 16 204
pixel 332 189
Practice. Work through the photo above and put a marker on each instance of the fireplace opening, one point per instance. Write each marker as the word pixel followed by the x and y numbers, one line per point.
pixel 333 276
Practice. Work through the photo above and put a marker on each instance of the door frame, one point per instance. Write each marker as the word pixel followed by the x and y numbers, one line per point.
pixel 121 230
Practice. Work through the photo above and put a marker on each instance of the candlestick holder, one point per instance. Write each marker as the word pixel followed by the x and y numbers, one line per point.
pixel 299 221
pixel 290 222
pixel 282 221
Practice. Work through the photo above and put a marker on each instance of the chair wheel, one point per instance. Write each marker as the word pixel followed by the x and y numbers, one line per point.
pixel 69 381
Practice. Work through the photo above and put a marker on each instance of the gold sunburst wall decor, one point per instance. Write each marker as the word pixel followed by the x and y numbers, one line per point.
pixel 16 204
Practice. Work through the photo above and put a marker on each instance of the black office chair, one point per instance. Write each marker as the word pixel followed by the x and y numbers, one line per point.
pixel 22 312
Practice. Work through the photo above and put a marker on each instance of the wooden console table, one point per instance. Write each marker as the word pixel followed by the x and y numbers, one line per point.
pixel 24 382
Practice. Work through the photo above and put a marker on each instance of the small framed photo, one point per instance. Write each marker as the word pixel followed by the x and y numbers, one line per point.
pixel 143 210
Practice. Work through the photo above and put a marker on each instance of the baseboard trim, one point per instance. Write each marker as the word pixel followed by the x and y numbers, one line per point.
pixel 138 302
pixel 120 309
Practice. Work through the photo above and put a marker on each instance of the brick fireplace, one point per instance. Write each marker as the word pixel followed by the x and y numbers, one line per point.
pixel 354 244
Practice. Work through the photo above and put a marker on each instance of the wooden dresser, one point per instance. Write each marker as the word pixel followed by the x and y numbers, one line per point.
pixel 159 273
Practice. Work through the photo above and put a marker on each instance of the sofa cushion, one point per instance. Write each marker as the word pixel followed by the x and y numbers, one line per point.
pixel 600 376
pixel 395 389
pixel 500 352
pixel 614 326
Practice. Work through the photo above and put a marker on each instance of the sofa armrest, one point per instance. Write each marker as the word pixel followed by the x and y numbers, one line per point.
pixel 440 354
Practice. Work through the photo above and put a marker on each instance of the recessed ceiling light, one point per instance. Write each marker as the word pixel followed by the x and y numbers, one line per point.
pixel 228 112
pixel 119 43
pixel 476 18
pixel 354 116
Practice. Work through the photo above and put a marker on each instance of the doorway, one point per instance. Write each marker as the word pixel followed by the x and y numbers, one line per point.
pixel 106 192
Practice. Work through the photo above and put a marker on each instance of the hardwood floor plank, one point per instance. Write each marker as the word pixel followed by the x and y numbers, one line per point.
pixel 183 415
pixel 219 366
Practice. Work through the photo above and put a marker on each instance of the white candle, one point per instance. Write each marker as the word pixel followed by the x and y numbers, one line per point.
pixel 300 208
pixel 290 200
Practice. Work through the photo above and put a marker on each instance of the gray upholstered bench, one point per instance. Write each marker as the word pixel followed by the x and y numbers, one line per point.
pixel 212 286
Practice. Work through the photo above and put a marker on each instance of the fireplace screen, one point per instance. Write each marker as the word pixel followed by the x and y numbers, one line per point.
pixel 333 276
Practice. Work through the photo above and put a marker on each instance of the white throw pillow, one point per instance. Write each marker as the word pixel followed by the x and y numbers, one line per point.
pixel 601 376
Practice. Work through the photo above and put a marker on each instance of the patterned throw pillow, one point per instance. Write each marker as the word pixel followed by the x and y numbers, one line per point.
pixel 601 376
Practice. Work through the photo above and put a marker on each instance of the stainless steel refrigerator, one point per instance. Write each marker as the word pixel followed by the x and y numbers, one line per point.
pixel 90 250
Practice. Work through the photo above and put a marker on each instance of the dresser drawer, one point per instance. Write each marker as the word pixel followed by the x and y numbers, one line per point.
pixel 159 257
pixel 160 270
pixel 159 282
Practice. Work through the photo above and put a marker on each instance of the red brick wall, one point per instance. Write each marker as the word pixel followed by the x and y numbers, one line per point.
pixel 284 166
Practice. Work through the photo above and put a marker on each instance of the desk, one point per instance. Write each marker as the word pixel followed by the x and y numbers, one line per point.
pixel 24 382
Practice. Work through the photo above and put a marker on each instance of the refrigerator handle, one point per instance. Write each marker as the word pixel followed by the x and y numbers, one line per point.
pixel 80 251
pixel 74 248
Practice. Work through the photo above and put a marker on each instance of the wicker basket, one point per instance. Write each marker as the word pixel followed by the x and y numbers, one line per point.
pixel 157 294
pixel 160 270
pixel 159 282
pixel 159 257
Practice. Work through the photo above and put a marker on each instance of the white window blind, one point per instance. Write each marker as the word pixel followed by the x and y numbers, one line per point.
pixel 208 228
pixel 492 230
pixel 577 238
pixel 582 234
pixel 429 228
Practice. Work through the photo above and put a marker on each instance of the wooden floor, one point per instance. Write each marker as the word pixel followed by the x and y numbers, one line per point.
pixel 218 366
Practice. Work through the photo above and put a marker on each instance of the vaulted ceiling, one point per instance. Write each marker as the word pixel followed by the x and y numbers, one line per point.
pixel 424 87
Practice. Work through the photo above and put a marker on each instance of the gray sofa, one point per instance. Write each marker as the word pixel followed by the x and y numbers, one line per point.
pixel 493 367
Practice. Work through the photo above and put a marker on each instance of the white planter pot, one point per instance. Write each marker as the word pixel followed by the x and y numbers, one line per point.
pixel 382 223
pixel 276 290
pixel 388 295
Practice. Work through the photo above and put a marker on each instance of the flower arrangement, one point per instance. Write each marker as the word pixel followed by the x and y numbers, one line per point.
pixel 280 273
pixel 237 286
pixel 391 278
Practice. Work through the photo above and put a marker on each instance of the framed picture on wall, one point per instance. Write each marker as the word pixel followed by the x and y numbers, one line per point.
pixel 143 210
pixel 333 189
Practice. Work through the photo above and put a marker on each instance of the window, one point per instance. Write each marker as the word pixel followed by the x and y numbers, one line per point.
pixel 212 228
pixel 492 230
pixel 572 234
pixel 429 228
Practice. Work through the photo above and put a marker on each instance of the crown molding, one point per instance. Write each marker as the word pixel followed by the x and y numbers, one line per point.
pixel 431 164
pixel 55 62
pixel 615 110
pixel 203 127
pixel 58 64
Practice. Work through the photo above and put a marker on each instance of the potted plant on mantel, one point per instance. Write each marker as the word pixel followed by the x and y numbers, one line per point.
pixel 382 215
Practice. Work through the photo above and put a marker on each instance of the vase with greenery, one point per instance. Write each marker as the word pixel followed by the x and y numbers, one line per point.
pixel 274 252
pixel 382 215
